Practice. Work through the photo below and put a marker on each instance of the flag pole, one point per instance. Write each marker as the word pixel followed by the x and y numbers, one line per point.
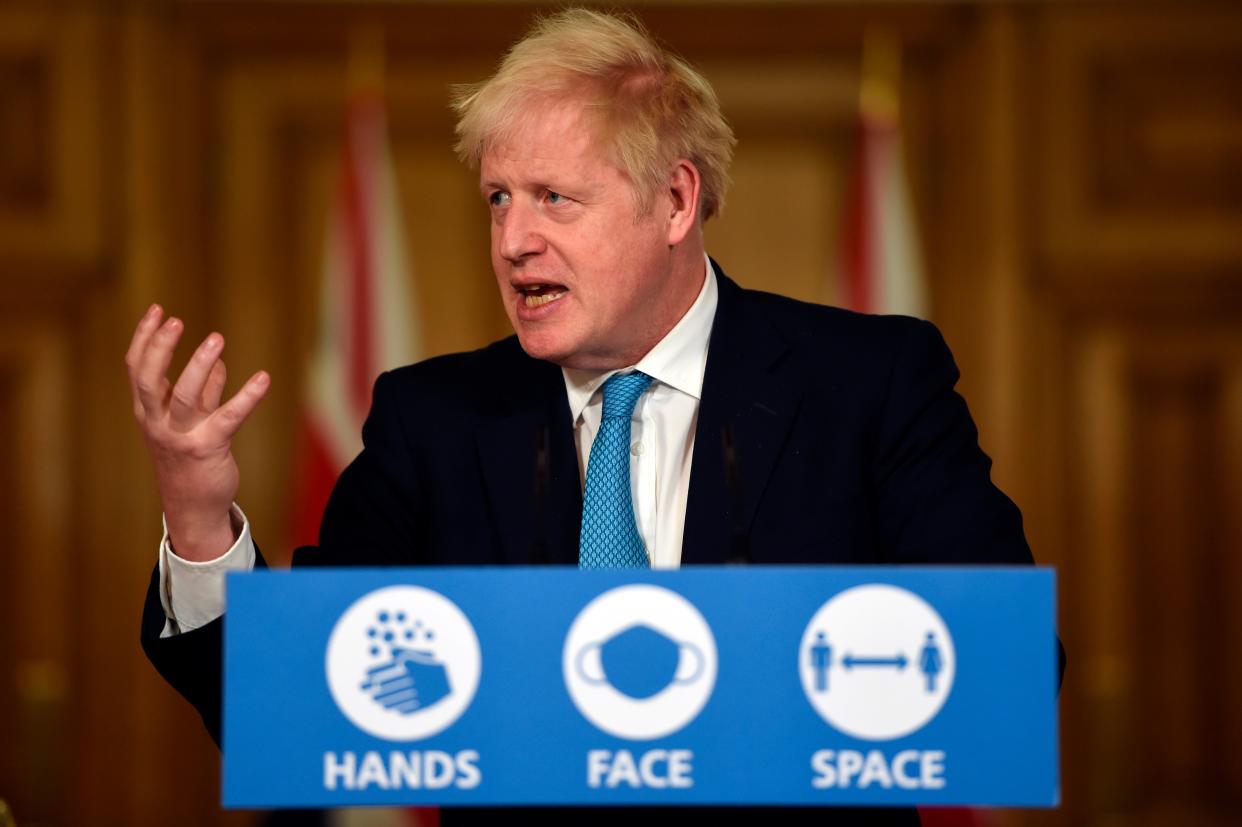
pixel 878 95
pixel 365 61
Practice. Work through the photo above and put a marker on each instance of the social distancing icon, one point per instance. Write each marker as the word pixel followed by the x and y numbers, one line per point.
pixel 877 662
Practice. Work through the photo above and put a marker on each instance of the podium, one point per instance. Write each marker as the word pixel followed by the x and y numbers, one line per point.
pixel 705 686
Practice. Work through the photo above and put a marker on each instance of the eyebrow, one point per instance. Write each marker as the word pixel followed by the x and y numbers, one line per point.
pixel 585 189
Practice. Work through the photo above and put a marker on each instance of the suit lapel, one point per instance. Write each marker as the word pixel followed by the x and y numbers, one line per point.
pixel 748 392
pixel 532 418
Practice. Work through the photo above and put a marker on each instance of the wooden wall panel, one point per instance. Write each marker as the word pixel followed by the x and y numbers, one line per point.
pixel 51 177
pixel 1139 258
pixel 782 220
pixel 1154 576
pixel 25 165
pixel 1143 129
pixel 51 248
pixel 1174 632
pixel 37 584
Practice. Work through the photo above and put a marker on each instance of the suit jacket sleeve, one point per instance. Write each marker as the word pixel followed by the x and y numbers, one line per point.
pixel 936 499
pixel 937 502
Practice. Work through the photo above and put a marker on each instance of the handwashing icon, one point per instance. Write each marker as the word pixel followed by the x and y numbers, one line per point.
pixel 412 678
pixel 410 682
pixel 403 663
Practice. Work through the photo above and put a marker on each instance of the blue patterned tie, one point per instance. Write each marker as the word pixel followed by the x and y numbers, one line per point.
pixel 609 537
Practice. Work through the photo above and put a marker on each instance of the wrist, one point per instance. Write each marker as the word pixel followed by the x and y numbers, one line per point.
pixel 200 539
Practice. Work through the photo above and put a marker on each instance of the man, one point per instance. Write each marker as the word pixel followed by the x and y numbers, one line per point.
pixel 741 423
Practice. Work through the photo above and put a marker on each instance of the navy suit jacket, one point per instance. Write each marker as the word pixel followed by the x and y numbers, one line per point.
pixel 848 445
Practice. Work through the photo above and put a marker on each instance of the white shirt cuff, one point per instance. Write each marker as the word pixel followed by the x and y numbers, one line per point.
pixel 192 594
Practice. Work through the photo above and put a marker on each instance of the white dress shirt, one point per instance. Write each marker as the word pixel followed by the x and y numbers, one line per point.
pixel 661 450
pixel 661 428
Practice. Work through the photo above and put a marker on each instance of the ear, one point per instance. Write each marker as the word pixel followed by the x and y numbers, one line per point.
pixel 683 205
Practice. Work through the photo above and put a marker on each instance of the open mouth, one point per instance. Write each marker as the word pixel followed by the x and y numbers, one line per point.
pixel 536 295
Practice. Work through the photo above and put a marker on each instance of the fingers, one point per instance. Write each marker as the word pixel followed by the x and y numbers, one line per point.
pixel 215 386
pixel 198 391
pixel 184 403
pixel 142 334
pixel 230 416
pixel 147 325
pixel 151 379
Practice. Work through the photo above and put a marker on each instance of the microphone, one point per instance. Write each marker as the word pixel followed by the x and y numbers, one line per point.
pixel 739 544
pixel 539 547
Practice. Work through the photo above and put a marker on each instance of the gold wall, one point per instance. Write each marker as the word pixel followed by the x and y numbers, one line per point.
pixel 1077 169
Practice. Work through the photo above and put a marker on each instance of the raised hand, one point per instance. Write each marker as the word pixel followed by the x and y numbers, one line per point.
pixel 189 432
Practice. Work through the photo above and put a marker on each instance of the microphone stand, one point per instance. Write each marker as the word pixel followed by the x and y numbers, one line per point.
pixel 739 544
pixel 539 548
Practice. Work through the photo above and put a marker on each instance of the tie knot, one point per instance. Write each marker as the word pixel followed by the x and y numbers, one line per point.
pixel 621 393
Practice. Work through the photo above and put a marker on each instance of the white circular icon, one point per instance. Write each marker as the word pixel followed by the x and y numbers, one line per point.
pixel 640 662
pixel 403 663
pixel 877 662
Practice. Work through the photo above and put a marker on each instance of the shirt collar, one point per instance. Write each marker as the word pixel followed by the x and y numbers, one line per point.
pixel 678 360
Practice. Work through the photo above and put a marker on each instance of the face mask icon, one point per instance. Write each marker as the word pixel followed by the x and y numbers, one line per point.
pixel 639 662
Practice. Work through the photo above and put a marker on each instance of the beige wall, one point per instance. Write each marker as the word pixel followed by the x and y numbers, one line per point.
pixel 1078 174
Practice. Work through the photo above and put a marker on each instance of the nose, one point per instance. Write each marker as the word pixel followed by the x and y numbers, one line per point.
pixel 517 232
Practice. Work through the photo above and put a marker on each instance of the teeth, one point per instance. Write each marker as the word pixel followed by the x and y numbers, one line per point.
pixel 536 301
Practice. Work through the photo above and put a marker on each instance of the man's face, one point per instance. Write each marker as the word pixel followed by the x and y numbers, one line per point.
pixel 581 274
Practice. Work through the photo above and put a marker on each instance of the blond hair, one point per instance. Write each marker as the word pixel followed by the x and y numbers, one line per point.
pixel 650 107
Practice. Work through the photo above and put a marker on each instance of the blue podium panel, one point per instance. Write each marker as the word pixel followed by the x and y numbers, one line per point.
pixel 760 685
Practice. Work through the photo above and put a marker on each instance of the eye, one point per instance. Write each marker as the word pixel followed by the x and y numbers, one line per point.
pixel 499 198
pixel 556 198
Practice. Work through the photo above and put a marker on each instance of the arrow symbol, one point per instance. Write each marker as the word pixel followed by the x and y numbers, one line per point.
pixel 849 661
